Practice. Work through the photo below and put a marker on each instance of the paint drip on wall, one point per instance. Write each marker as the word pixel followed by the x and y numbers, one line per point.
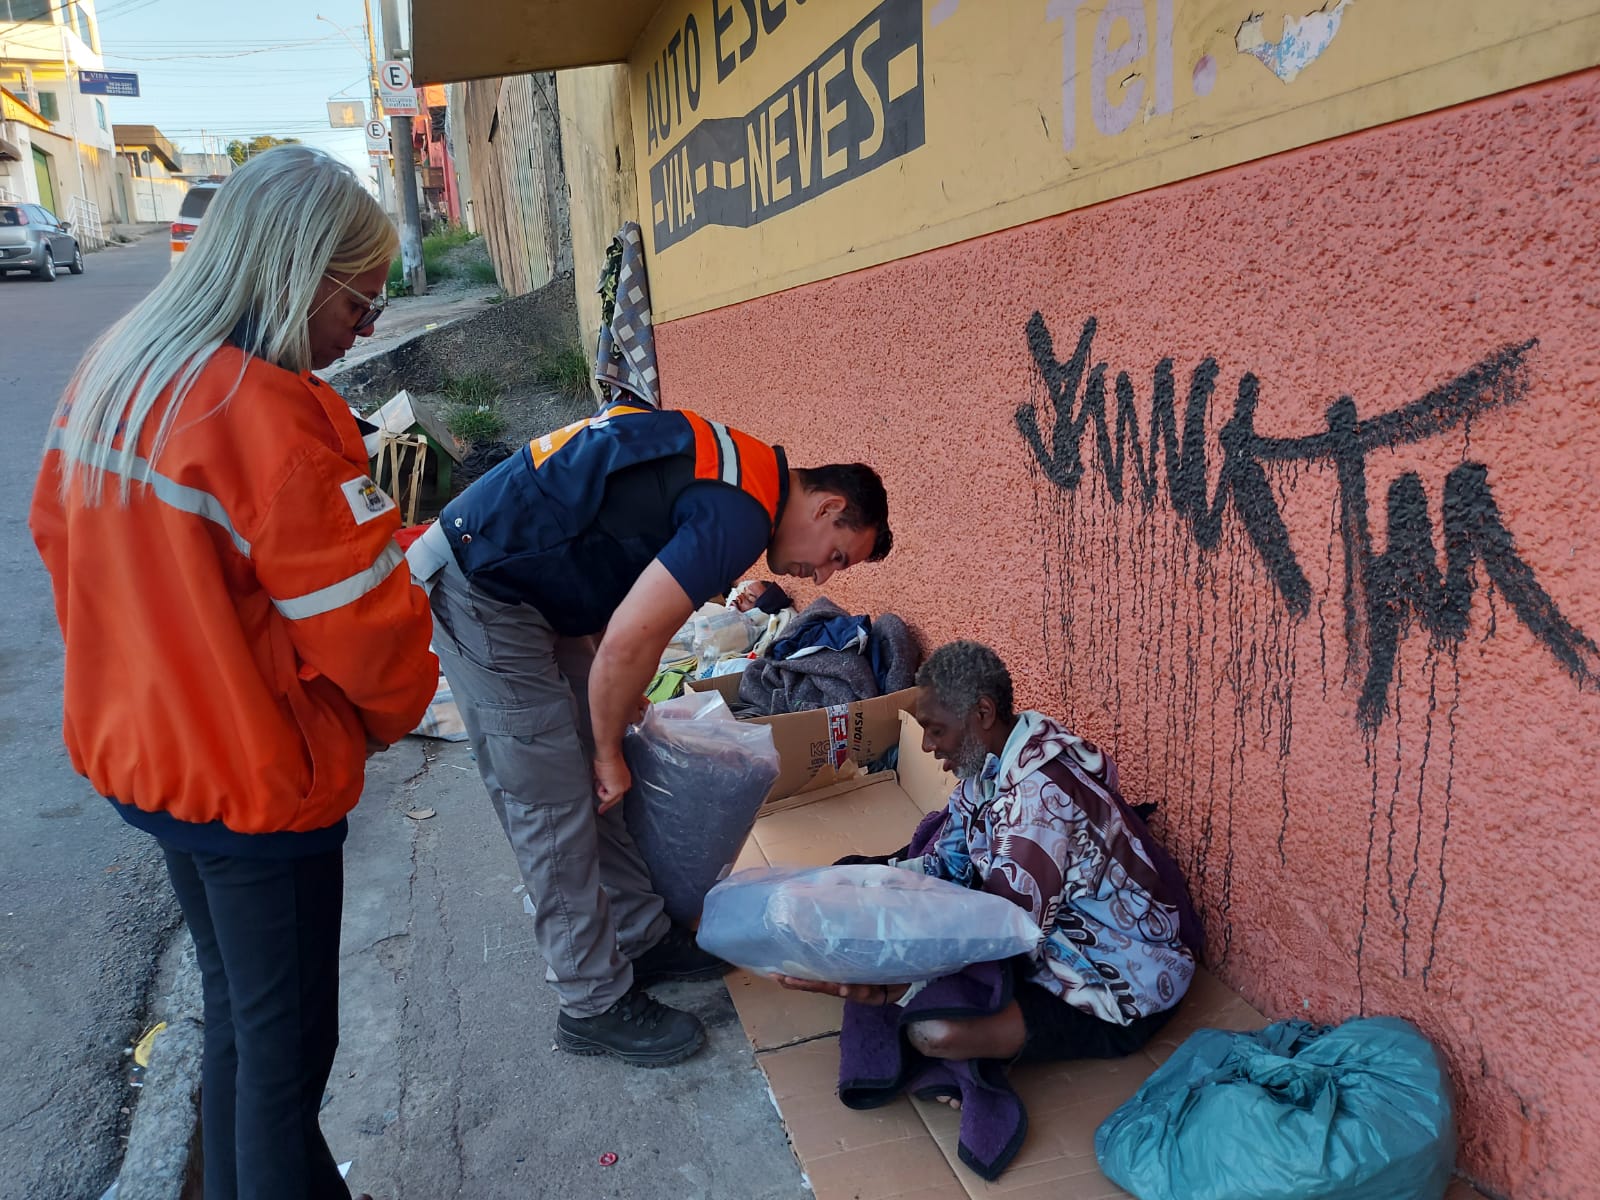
pixel 1214 583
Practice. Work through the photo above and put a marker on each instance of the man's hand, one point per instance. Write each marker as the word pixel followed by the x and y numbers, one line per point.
pixel 628 658
pixel 876 994
pixel 612 779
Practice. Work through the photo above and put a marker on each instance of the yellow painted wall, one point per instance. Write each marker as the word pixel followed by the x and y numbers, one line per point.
pixel 597 152
pixel 780 142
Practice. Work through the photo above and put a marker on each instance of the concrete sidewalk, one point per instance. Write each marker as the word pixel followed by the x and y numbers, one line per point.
pixel 447 1085
pixel 408 317
pixel 447 1082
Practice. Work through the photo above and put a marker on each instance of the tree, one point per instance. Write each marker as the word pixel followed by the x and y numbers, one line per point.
pixel 240 151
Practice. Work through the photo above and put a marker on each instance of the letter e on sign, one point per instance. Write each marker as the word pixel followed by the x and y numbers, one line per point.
pixel 395 90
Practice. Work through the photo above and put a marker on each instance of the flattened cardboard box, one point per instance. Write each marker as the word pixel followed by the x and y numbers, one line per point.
pixel 821 747
pixel 907 1149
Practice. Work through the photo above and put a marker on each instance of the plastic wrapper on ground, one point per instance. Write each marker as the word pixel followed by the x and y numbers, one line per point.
pixel 699 777
pixel 859 924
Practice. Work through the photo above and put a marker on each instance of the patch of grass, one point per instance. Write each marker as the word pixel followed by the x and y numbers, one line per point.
pixel 397 279
pixel 497 298
pixel 447 238
pixel 473 415
pixel 473 390
pixel 481 424
pixel 481 270
pixel 437 257
pixel 565 367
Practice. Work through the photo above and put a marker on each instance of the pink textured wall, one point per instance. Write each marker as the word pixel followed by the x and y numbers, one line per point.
pixel 1379 773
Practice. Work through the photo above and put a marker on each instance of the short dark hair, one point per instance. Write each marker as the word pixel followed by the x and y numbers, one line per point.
pixel 866 504
pixel 960 673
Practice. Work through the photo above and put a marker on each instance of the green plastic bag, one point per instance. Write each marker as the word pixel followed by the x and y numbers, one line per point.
pixel 1359 1111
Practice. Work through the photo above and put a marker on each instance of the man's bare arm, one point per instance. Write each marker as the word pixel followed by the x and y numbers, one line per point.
pixel 654 609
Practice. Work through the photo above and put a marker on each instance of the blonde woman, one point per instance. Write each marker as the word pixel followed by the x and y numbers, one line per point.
pixel 241 631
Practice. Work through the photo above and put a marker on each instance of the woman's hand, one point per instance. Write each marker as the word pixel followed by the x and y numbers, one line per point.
pixel 876 994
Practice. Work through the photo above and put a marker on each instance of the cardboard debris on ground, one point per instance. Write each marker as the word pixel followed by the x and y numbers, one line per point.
pixel 402 414
pixel 908 1148
pixel 821 747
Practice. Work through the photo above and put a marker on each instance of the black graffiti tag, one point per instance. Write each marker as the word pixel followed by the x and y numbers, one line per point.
pixel 1382 593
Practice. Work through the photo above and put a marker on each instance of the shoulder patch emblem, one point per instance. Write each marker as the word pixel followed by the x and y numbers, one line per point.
pixel 366 499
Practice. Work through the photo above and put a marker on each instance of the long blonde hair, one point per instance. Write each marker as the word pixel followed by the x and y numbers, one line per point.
pixel 276 226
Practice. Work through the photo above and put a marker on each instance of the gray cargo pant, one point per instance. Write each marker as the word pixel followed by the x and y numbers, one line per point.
pixel 523 694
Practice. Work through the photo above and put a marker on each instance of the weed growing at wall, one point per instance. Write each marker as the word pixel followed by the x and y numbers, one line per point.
pixel 474 415
pixel 566 367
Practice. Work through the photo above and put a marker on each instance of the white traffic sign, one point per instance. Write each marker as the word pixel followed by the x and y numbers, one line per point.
pixel 399 97
pixel 377 138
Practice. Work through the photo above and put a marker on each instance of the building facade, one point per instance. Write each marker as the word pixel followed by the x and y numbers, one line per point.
pixel 44 46
pixel 157 180
pixel 1236 374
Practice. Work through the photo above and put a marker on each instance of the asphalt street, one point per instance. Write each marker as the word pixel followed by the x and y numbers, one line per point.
pixel 84 907
pixel 447 1085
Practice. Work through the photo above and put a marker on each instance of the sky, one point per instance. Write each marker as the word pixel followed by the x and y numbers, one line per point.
pixel 230 70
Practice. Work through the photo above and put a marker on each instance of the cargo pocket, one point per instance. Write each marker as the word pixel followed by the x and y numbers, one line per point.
pixel 530 754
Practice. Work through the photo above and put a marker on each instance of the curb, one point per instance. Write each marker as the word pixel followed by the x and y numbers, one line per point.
pixel 163 1154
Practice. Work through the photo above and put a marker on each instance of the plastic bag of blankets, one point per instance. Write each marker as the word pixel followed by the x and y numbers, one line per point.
pixel 859 924
pixel 699 777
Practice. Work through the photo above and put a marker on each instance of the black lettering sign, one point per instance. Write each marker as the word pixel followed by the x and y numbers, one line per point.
pixel 856 107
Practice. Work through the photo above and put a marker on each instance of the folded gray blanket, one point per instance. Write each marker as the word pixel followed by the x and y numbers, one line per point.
pixel 829 677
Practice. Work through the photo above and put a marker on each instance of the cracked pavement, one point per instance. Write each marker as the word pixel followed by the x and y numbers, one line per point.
pixel 448 1086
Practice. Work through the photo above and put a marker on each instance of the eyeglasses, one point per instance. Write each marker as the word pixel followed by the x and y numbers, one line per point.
pixel 375 304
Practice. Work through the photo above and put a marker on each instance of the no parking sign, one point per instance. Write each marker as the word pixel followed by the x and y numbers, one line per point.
pixel 377 138
pixel 395 89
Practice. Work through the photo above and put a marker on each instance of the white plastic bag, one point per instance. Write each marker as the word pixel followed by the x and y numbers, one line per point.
pixel 723 633
pixel 699 777
pixel 859 924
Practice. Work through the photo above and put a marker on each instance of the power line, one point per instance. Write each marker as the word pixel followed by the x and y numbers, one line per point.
pixel 301 45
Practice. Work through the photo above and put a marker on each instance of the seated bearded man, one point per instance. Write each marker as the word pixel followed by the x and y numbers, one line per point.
pixel 1037 818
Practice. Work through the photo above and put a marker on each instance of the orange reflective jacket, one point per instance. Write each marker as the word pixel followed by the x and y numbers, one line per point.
pixel 238 627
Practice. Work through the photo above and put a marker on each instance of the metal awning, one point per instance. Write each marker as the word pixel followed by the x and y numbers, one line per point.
pixel 512 37
pixel 10 150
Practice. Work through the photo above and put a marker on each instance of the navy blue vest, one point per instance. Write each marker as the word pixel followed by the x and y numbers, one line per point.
pixel 569 522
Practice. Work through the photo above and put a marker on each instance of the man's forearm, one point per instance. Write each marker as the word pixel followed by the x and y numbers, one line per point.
pixel 617 679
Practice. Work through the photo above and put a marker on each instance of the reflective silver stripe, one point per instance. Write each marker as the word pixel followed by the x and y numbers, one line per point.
pixel 730 455
pixel 168 491
pixel 337 595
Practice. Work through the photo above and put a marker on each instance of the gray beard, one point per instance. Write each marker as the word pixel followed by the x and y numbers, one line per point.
pixel 970 757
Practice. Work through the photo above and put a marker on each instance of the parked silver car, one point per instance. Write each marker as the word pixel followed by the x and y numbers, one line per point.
pixel 32 240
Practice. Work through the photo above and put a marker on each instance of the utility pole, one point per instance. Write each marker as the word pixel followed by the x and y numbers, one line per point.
pixel 70 95
pixel 385 182
pixel 405 164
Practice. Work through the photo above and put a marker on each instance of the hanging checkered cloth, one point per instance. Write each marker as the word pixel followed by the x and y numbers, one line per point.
pixel 625 361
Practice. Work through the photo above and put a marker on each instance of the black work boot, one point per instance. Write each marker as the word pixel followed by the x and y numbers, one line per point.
pixel 637 1029
pixel 676 959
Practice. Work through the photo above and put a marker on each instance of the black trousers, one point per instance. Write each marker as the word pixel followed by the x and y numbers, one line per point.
pixel 266 933
pixel 1056 1031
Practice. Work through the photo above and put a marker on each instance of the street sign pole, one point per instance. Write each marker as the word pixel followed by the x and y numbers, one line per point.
pixel 375 112
pixel 71 97
pixel 405 166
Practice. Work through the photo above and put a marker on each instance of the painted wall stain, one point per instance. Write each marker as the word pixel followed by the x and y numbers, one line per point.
pixel 1303 41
